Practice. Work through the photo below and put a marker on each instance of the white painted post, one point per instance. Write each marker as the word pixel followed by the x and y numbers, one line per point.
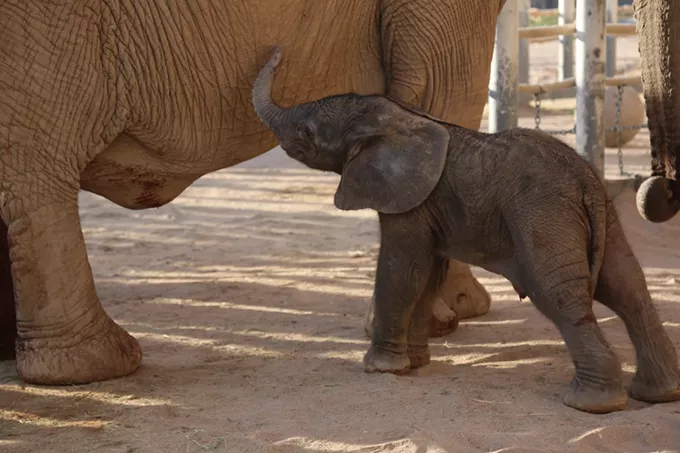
pixel 565 58
pixel 503 80
pixel 590 78
pixel 523 7
pixel 612 18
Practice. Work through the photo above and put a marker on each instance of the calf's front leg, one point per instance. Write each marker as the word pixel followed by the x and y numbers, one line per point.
pixel 423 315
pixel 444 319
pixel 406 263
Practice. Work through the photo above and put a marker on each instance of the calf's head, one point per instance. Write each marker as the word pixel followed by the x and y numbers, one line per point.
pixel 389 157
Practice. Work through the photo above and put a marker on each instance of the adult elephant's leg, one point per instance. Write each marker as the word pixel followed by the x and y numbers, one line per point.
pixel 64 335
pixel 437 57
pixel 8 323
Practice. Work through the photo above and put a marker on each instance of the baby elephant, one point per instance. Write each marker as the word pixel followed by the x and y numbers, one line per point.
pixel 519 203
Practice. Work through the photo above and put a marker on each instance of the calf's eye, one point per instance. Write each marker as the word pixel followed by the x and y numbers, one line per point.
pixel 305 132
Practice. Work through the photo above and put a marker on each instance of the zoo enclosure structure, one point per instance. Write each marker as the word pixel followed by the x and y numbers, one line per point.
pixel 593 59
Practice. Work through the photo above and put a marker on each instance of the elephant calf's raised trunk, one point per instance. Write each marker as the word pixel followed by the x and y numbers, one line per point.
pixel 273 116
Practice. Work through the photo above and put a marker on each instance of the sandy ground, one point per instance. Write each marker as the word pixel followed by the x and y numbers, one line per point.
pixel 247 294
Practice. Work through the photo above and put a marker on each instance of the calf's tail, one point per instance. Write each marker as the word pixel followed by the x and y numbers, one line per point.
pixel 596 208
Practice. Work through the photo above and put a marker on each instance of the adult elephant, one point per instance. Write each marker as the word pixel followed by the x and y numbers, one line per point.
pixel 135 100
pixel 658 31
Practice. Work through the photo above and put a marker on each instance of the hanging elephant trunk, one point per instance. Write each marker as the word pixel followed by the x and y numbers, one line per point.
pixel 658 31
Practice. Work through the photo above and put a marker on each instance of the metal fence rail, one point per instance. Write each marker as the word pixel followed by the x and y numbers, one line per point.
pixel 554 31
pixel 587 23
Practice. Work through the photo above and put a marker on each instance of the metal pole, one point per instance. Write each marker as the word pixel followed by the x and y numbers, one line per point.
pixel 565 58
pixel 590 77
pixel 612 18
pixel 503 78
pixel 523 7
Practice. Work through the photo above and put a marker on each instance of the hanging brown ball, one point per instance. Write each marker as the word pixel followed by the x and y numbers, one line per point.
pixel 632 114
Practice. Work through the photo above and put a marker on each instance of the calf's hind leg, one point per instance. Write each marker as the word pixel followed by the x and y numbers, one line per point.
pixel 622 287
pixel 556 276
pixel 597 386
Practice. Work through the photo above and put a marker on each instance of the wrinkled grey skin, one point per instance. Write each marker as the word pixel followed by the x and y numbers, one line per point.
pixel 658 33
pixel 518 203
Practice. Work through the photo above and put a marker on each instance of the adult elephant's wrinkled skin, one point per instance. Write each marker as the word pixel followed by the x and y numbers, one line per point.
pixel 135 100
pixel 658 32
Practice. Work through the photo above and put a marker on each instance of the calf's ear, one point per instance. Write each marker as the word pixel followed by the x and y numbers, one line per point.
pixel 398 167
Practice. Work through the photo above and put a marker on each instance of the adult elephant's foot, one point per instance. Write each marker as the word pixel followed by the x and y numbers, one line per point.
pixel 101 351
pixel 444 320
pixel 600 399
pixel 378 360
pixel 462 293
pixel 461 296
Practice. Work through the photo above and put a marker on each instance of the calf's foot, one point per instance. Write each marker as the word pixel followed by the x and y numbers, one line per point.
pixel 656 393
pixel 383 361
pixel 657 379
pixel 418 356
pixel 599 399
pixel 662 387
pixel 623 288
pixel 102 351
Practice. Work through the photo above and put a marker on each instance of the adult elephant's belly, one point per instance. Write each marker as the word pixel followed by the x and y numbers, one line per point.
pixel 134 177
